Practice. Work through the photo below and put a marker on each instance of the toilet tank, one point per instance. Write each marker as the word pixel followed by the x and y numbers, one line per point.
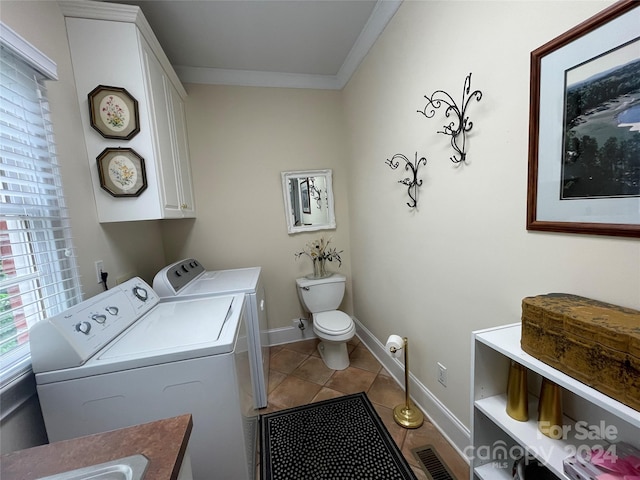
pixel 321 294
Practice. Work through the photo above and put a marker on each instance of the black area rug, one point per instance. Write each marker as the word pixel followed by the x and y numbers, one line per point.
pixel 338 439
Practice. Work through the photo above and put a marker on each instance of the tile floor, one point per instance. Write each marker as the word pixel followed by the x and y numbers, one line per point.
pixel 299 376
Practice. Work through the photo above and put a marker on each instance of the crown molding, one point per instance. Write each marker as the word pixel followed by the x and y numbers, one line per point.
pixel 380 17
pixel 116 12
pixel 382 13
pixel 101 11
pixel 253 78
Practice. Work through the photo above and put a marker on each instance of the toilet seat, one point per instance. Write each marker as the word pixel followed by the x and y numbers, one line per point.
pixel 333 323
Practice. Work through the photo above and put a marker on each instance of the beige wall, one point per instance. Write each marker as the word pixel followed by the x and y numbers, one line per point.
pixel 241 139
pixel 463 260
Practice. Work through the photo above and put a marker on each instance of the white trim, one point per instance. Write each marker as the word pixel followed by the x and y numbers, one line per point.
pixel 101 11
pixel 17 393
pixel 381 15
pixel 30 54
pixel 252 78
pixel 280 336
pixel 127 14
pixel 446 422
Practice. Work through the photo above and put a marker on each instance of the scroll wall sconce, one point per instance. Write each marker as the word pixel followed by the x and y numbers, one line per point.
pixel 315 193
pixel 411 183
pixel 460 125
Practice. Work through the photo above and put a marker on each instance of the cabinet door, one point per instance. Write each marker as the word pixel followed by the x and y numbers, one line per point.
pixel 99 62
pixel 163 132
pixel 182 158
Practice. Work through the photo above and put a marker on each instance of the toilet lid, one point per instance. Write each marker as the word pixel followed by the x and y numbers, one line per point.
pixel 333 323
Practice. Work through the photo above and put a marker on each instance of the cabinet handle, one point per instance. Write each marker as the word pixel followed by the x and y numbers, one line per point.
pixel 184 206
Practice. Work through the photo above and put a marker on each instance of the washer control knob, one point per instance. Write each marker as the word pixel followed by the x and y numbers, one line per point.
pixel 185 268
pixel 83 327
pixel 99 318
pixel 112 310
pixel 141 293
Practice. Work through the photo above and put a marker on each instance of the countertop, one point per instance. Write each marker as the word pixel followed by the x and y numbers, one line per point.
pixel 163 442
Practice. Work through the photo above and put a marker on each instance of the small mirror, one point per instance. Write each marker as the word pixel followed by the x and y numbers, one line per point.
pixel 308 200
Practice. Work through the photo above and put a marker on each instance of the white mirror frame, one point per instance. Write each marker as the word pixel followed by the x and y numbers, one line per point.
pixel 288 211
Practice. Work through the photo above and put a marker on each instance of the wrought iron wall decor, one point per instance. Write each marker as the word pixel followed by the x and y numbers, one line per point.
pixel 411 183
pixel 314 192
pixel 460 125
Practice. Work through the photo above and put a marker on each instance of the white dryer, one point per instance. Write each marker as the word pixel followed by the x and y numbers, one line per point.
pixel 188 279
pixel 125 357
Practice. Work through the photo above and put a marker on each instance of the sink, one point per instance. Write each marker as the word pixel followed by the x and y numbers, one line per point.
pixel 126 468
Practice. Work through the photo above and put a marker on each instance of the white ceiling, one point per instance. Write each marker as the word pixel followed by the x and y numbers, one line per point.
pixel 290 43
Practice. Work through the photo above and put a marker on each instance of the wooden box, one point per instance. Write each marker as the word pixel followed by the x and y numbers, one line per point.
pixel 594 342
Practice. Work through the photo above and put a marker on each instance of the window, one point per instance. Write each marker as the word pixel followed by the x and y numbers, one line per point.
pixel 38 270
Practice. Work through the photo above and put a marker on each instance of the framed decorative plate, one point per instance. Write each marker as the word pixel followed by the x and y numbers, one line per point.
pixel 114 112
pixel 122 172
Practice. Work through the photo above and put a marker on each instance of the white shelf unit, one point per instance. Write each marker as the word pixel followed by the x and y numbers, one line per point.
pixel 497 438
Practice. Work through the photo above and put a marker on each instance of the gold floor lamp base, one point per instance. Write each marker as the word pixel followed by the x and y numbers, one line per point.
pixel 408 416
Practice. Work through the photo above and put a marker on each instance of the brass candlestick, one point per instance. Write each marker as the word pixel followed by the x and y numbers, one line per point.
pixel 406 414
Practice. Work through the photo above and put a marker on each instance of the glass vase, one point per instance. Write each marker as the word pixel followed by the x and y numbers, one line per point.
pixel 319 268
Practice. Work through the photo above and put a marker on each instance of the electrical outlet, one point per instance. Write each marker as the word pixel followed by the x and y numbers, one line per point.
pixel 442 374
pixel 99 270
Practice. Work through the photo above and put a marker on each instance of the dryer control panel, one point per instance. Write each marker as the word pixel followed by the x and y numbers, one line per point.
pixel 171 279
pixel 72 337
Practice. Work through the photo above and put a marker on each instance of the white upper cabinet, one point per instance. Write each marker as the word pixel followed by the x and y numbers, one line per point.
pixel 113 46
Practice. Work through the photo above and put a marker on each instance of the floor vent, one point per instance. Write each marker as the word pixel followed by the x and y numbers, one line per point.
pixel 432 464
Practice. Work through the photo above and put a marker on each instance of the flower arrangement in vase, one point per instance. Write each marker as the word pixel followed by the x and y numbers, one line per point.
pixel 320 252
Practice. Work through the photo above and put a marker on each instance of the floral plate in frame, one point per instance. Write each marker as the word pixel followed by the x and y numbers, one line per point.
pixel 114 112
pixel 122 172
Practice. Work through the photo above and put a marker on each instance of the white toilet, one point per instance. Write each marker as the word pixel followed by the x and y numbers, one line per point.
pixel 321 297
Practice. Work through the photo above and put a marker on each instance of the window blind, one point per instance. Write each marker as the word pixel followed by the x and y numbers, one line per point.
pixel 38 269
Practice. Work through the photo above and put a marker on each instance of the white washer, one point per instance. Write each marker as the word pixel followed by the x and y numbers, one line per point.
pixel 188 278
pixel 125 357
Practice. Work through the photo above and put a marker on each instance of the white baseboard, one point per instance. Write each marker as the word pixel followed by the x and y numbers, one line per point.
pixel 448 424
pixel 279 336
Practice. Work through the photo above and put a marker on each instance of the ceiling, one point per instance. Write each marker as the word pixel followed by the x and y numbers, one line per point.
pixel 287 43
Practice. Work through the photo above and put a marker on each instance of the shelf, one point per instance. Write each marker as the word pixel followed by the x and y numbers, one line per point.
pixel 550 451
pixel 490 472
pixel 498 440
pixel 506 340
